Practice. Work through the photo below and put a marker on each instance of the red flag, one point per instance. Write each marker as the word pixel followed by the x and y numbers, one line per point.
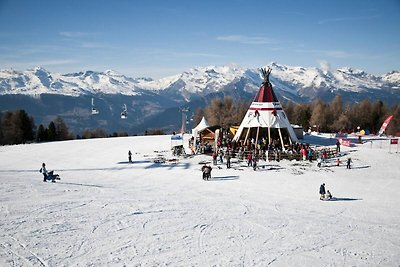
pixel 385 124
pixel 394 141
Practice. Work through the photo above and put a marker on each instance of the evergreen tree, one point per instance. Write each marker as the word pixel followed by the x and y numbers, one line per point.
pixel 51 132
pixel 62 132
pixel 7 127
pixel 41 134
pixel 378 112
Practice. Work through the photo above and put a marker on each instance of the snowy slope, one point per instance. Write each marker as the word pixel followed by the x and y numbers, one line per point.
pixel 106 212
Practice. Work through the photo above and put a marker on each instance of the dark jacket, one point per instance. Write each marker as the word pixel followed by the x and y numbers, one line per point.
pixel 322 189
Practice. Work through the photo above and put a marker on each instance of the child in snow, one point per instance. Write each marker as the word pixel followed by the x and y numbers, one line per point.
pixel 328 195
pixel 338 162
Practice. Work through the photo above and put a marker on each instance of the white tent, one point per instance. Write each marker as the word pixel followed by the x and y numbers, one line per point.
pixel 201 126
pixel 265 118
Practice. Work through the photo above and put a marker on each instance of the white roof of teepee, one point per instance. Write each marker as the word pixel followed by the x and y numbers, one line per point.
pixel 265 111
pixel 201 126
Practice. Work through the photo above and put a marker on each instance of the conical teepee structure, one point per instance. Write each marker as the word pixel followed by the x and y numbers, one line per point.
pixel 265 118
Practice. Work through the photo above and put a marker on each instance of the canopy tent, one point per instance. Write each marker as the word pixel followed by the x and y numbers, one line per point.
pixel 201 126
pixel 265 118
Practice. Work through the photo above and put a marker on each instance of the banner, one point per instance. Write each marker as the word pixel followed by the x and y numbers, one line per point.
pixel 344 142
pixel 384 125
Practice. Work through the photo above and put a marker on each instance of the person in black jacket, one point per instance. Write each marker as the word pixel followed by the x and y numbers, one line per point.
pixel 322 191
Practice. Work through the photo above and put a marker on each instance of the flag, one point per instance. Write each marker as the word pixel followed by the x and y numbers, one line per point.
pixel 385 124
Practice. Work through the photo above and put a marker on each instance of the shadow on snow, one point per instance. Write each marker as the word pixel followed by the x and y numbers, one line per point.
pixel 343 199
pixel 224 178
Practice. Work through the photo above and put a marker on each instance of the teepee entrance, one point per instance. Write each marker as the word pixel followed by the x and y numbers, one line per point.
pixel 265 119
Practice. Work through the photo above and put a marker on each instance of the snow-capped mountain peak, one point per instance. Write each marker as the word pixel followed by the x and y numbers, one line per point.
pixel 291 82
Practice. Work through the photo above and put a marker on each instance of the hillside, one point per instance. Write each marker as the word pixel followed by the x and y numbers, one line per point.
pixel 107 212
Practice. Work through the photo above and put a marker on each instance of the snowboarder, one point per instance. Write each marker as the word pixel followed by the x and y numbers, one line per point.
pixel 48 175
pixel 322 191
pixel 130 156
pixel 206 172
pixel 349 161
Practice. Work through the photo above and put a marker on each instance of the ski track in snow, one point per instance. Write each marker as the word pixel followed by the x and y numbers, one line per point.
pixel 146 214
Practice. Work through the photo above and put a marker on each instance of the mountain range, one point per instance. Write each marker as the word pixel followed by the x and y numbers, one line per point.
pixel 155 103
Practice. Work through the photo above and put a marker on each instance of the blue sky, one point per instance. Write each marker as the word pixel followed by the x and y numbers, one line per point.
pixel 159 38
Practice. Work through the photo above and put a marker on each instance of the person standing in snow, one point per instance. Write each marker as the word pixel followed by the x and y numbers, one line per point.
pixel 221 156
pixel 337 146
pixel 249 159
pixel 130 156
pixel 349 161
pixel 322 191
pixel 214 157
pixel 228 159
pixel 44 171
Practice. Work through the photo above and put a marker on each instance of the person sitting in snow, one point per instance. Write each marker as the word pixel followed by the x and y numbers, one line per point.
pixel 48 175
pixel 328 195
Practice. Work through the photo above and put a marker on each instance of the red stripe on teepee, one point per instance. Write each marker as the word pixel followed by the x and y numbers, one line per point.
pixel 265 108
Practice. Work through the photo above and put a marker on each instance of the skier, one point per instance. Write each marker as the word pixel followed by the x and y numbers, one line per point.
pixel 130 156
pixel 349 161
pixel 322 191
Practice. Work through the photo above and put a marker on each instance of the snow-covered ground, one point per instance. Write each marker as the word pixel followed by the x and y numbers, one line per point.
pixel 107 212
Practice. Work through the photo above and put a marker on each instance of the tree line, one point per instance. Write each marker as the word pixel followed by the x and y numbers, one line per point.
pixel 327 117
pixel 18 127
